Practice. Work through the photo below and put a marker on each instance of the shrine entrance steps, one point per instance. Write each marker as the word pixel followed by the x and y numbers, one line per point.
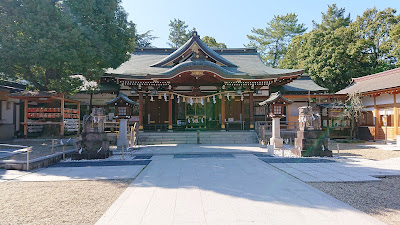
pixel 191 137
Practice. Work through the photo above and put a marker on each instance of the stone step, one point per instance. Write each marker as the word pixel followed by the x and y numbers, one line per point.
pixel 212 137
pixel 194 138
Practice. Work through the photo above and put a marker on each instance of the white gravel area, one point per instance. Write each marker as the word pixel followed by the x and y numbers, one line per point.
pixel 378 199
pixel 362 151
pixel 59 202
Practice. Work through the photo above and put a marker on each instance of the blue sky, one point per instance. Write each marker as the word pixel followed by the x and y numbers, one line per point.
pixel 230 21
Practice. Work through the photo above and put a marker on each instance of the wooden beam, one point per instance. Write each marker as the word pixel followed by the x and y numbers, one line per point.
pixel 376 116
pixel 223 112
pixel 62 116
pixel 242 105
pixel 396 116
pixel 140 110
pixel 170 113
pixel 26 118
pixel 79 117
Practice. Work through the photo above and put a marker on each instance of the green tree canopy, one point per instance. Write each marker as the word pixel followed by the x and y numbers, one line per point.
pixel 272 41
pixel 338 49
pixel 212 43
pixel 334 18
pixel 44 42
pixel 144 40
pixel 372 31
pixel 395 41
pixel 178 33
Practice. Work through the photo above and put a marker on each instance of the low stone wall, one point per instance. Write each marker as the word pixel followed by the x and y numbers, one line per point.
pixel 35 163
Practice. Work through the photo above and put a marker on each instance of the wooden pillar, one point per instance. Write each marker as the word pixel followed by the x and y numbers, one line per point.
pixel 251 110
pixel 396 116
pixel 223 112
pixel 25 118
pixel 288 116
pixel 140 110
pixel 242 105
pixel 62 116
pixel 79 117
pixel 170 113
pixel 376 117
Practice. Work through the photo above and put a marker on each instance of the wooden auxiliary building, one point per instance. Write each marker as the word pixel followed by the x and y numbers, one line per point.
pixel 48 108
pixel 380 96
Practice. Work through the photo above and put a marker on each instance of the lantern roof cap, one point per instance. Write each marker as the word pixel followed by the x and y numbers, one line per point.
pixel 274 98
pixel 124 97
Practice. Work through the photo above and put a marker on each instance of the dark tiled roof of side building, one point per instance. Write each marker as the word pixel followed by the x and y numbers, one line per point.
pixel 11 86
pixel 301 85
pixel 375 82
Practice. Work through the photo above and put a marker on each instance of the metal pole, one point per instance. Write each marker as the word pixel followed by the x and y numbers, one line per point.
pixel 198 137
pixel 63 152
pixel 338 149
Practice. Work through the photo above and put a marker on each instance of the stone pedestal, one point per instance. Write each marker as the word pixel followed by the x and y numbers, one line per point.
pixel 123 137
pixel 312 143
pixel 270 150
pixel 276 139
pixel 311 140
pixel 92 143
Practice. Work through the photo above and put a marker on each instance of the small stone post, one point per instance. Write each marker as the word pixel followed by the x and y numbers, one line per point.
pixel 123 137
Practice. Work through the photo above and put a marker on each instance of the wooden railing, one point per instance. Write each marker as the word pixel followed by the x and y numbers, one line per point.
pixel 133 135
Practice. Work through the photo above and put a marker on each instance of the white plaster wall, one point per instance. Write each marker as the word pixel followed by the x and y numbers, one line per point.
pixel 368 101
pixel 384 99
pixel 294 108
pixel 7 114
pixel 262 93
pixel 371 108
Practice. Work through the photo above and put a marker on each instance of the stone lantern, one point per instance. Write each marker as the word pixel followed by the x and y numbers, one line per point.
pixel 123 109
pixel 311 140
pixel 276 103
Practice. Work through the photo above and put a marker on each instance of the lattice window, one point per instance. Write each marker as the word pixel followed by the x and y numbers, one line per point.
pixel 122 111
pixel 277 110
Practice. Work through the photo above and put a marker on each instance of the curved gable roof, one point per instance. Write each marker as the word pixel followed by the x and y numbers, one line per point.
pixel 193 65
pixel 194 43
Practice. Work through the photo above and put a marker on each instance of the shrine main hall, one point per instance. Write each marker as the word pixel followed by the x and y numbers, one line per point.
pixel 196 87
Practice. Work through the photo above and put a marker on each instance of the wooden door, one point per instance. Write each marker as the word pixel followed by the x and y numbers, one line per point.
pixel 158 110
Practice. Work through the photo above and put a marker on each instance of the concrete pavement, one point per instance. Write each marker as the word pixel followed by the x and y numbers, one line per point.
pixel 231 190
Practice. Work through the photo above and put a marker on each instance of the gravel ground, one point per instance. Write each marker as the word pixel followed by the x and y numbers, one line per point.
pixel 378 199
pixel 59 202
pixel 353 150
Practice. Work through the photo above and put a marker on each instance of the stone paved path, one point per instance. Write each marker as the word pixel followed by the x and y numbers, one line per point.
pixel 357 171
pixel 225 190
